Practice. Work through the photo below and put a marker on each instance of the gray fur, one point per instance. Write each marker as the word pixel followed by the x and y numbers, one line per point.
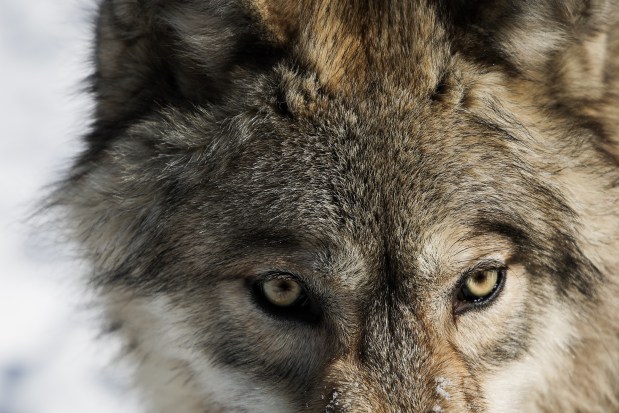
pixel 377 152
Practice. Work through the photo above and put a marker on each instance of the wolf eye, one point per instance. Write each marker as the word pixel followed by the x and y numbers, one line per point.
pixel 284 296
pixel 479 288
pixel 281 292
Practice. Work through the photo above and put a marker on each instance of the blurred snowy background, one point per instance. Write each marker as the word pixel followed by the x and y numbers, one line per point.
pixel 51 359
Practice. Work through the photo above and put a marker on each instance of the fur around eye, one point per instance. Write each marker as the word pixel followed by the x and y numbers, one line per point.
pixel 479 288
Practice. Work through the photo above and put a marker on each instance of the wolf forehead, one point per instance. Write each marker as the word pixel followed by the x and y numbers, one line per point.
pixel 264 182
pixel 375 116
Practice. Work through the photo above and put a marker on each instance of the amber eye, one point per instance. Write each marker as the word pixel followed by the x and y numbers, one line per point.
pixel 481 284
pixel 284 296
pixel 281 292
pixel 479 287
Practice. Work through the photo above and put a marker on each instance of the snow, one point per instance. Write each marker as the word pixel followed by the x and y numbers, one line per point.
pixel 442 384
pixel 333 403
pixel 51 359
pixel 441 387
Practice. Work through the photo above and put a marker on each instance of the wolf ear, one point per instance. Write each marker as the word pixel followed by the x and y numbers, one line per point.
pixel 157 52
pixel 534 38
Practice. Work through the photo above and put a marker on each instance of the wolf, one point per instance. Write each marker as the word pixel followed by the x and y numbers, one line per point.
pixel 356 205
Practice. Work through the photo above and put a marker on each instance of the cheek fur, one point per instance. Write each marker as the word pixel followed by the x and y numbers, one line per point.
pixel 168 357
pixel 506 389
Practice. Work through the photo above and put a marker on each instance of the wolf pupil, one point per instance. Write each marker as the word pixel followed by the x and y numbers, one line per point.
pixel 480 278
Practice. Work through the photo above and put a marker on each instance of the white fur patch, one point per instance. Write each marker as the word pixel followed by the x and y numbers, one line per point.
pixel 178 376
pixel 515 388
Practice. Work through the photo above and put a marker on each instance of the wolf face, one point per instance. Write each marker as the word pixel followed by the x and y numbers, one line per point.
pixel 357 206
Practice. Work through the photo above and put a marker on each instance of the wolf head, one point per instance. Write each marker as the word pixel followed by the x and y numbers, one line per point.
pixel 357 206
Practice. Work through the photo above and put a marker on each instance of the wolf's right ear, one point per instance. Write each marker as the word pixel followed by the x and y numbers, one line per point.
pixel 157 52
pixel 561 40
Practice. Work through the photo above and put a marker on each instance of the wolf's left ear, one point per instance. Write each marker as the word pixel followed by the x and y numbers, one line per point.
pixel 563 38
pixel 152 53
